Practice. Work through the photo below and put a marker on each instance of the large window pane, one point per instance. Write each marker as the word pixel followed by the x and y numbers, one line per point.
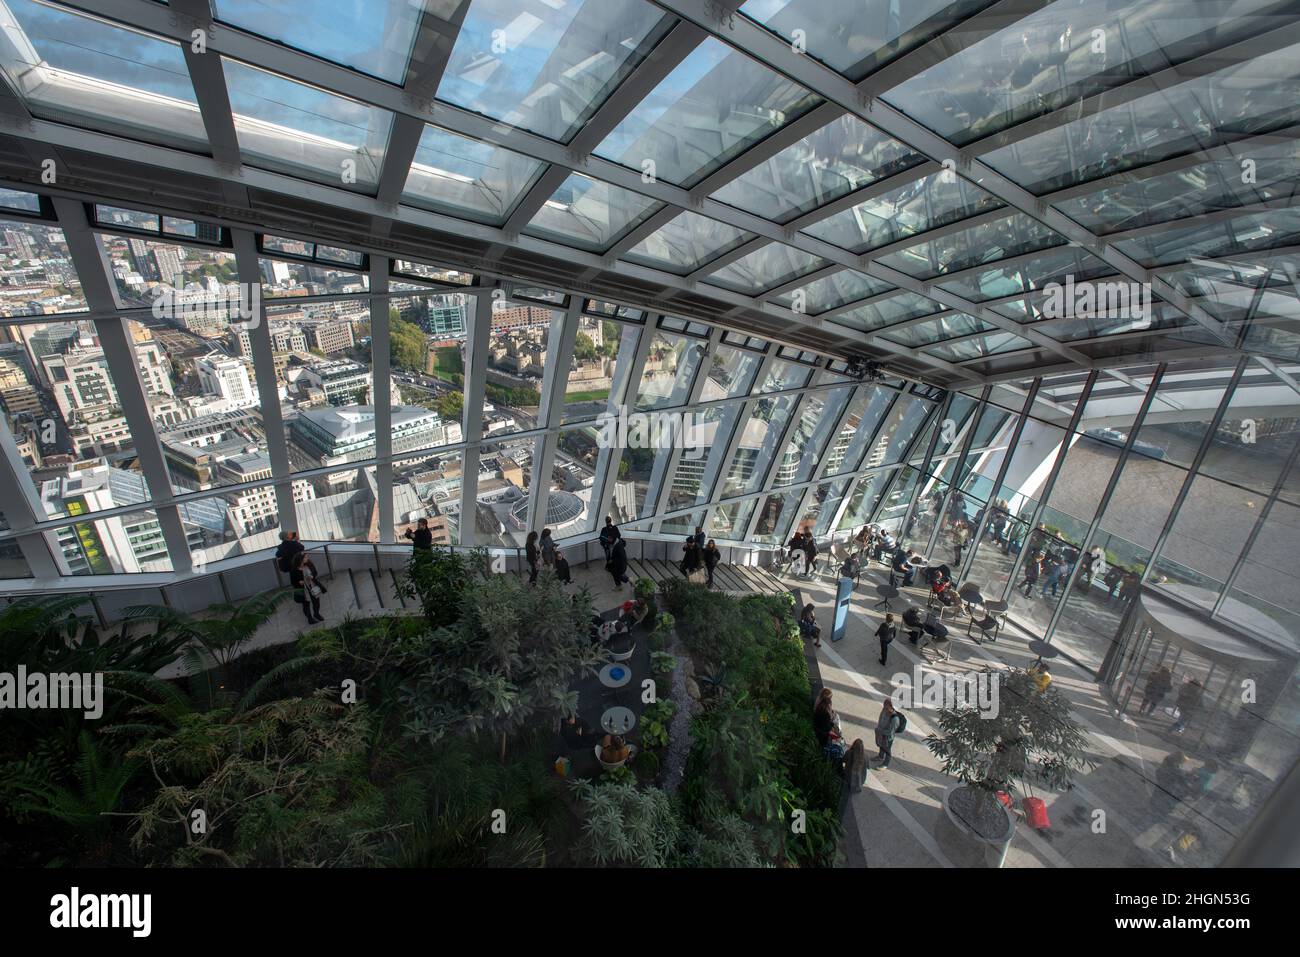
pixel 760 436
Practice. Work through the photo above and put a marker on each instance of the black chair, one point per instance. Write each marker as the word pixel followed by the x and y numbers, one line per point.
pixel 988 625
pixel 970 594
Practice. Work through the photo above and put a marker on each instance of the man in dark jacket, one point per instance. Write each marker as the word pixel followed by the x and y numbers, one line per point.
pixel 617 564
pixel 887 632
pixel 289 547
pixel 608 536
pixel 421 538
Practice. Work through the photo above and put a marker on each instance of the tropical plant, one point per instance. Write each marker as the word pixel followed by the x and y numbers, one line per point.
pixel 1030 737
pixel 215 641
pixel 436 578
pixel 511 659
pixel 655 722
pixel 662 663
pixel 625 824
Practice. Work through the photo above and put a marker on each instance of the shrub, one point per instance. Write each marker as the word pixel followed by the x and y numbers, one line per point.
pixel 624 824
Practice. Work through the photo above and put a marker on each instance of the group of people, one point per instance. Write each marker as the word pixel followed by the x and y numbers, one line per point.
pixel 291 556
pixel 803 544
pixel 614 749
pixel 699 552
pixel 826 725
pixel 543 547
pixel 1159 683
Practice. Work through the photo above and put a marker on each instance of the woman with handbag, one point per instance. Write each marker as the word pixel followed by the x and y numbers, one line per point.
pixel 307 588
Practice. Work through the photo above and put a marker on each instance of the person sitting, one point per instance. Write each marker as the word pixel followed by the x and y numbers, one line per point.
pixel 826 724
pixel 808 626
pixel 795 546
pixel 851 568
pixel 421 538
pixel 575 732
pixel 1041 676
pixel 613 749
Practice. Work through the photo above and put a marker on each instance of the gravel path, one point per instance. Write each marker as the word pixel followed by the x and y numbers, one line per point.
pixel 679 731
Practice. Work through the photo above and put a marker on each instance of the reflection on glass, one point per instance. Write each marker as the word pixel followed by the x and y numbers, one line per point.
pixel 990 345
pixel 375 38
pixel 776 516
pixel 669 371
pixel 865 412
pixel 832 291
pixel 546 67
pixel 713 106
pixel 589 214
pixel 760 436
pixel 926 203
pixel 298 129
pixel 818 415
pixel 467 177
pixel 700 463
pixel 686 243
pixel 772 265
pixel 731 373
pixel 87 72
pixel 1251 97
pixel 1002 238
pixel 731 520
pixel 844 155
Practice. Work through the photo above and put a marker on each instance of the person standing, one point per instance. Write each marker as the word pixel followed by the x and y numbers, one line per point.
pixel 530 554
pixel 690 557
pixel 890 724
pixel 306 587
pixel 1031 575
pixel 809 554
pixel 1158 685
pixel 421 538
pixel 608 536
pixel 617 564
pixel 960 536
pixel 711 558
pixel 288 548
pixel 887 632
pixel 548 548
pixel 562 568
pixel 1189 702
pixel 700 540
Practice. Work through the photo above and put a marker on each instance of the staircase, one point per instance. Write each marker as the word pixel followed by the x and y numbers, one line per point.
pixel 733 579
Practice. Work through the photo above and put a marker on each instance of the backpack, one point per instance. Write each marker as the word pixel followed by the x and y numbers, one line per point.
pixel 902 722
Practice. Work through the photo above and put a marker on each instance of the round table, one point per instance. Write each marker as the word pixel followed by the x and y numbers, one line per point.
pixel 615 675
pixel 1042 649
pixel 618 720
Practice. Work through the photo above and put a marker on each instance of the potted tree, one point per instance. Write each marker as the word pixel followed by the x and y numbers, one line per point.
pixel 1024 734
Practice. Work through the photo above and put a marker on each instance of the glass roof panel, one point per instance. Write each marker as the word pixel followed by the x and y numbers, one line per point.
pixel 87 72
pixel 16 199
pixel 1258 95
pixel 1279 227
pixel 713 106
pixel 842 156
pixel 731 373
pixel 301 130
pixel 992 344
pixel 937 330
pixel 876 315
pixel 772 265
pixel 686 243
pixel 926 203
pixel 987 242
pixel 861 36
pixel 786 375
pixel 456 174
pixel 1055 265
pixel 833 291
pixel 1054 57
pixel 370 36
pixel 547 65
pixel 1192 191
pixel 589 214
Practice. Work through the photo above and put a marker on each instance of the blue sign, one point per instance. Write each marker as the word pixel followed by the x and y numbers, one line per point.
pixel 843 595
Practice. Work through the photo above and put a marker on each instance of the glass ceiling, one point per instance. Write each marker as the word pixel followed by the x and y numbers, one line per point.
pixel 707 152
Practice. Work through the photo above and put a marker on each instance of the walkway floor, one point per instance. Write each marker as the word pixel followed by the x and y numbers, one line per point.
pixel 1108 819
